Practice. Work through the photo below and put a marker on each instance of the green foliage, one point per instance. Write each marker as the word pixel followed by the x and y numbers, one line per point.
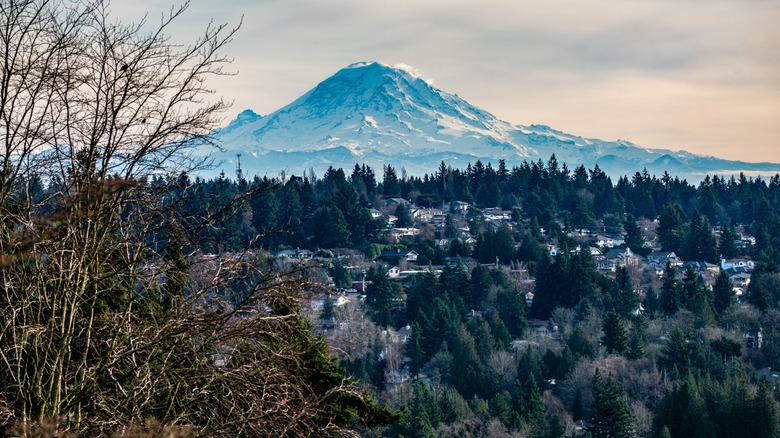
pixel 328 309
pixel 670 228
pixel 381 295
pixel 626 300
pixel 340 275
pixel 495 244
pixel 700 244
pixel 637 340
pixel 564 282
pixel 671 292
pixel 579 344
pixel 635 239
pixel 723 292
pixel 467 372
pixel 680 356
pixel 414 351
pixel 512 309
pixel 610 414
pixel 698 298
pixel 764 289
pixel 404 218
pixel 615 338
pixel 726 244
pixel 683 412
pixel 481 282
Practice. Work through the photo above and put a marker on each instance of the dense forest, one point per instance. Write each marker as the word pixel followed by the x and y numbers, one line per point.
pixel 332 211
pixel 623 353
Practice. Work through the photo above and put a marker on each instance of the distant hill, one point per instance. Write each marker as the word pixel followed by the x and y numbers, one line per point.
pixel 377 114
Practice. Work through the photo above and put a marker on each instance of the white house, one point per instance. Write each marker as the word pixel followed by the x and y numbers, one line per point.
pixel 746 264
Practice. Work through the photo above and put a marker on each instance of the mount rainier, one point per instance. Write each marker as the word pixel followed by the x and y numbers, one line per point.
pixel 379 115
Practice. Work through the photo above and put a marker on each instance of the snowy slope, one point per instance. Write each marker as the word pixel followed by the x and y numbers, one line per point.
pixel 376 114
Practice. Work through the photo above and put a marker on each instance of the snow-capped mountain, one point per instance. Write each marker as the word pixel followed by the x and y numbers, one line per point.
pixel 376 114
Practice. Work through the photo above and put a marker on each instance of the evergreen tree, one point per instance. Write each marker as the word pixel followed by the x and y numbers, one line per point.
pixel 484 342
pixel 404 217
pixel 670 228
pixel 764 418
pixel 450 230
pixel 698 298
pixel 580 279
pixel 380 294
pixel 764 289
pixel 679 356
pixel 340 275
pixel 498 329
pixel 637 340
pixel 723 292
pixel 615 338
pixel 481 282
pixel 634 237
pixel 579 344
pixel 683 412
pixel 421 293
pixel 328 309
pixel 626 300
pixel 512 309
pixel 454 282
pixel 700 243
pixel 651 302
pixel 610 414
pixel 414 351
pixel 527 404
pixel 671 293
pixel 331 229
pixel 390 185
pixel 727 244
pixel 467 370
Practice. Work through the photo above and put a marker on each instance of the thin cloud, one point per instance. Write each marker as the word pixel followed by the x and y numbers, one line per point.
pixel 685 74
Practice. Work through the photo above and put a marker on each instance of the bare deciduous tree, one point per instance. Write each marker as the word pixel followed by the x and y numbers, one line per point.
pixel 102 324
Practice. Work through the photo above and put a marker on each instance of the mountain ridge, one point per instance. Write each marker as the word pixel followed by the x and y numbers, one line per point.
pixel 377 114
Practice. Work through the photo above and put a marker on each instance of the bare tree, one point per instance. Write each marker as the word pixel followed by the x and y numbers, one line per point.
pixel 102 324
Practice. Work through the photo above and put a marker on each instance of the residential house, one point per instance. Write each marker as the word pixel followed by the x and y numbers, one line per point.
pixel 740 280
pixel 398 255
pixel 423 215
pixel 608 241
pixel 773 377
pixel 744 263
pixel 703 267
pixel 300 254
pixel 623 257
pixel 606 266
pixel 553 250
pixel 396 234
pixel 394 202
pixel 745 243
pixel 661 258
pixel 391 220
pixel 457 206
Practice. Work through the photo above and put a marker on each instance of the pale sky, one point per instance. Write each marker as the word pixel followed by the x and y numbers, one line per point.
pixel 697 75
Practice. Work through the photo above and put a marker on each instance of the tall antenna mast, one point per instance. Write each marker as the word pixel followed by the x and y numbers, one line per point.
pixel 239 173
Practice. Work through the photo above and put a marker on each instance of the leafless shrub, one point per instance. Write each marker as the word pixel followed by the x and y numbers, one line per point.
pixel 101 327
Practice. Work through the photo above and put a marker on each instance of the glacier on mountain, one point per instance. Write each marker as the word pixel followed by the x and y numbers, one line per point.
pixel 379 115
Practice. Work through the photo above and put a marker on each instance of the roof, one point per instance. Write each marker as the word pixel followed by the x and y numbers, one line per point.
pixel 661 254
pixel 397 254
pixel 619 252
